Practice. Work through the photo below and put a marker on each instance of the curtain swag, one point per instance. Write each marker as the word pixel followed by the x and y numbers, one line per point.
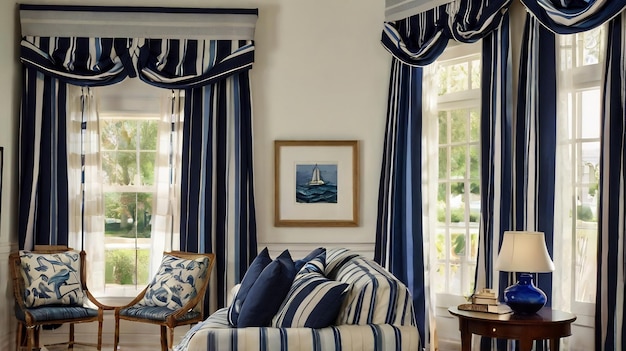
pixel 568 17
pixel 418 40
pixel 157 53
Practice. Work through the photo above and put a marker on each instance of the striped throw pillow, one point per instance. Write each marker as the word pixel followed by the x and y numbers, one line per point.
pixel 312 302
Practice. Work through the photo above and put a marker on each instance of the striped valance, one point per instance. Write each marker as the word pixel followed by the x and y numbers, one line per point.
pixel 166 47
pixel 567 17
pixel 419 39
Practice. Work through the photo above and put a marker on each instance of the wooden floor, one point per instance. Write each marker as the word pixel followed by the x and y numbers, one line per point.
pixel 104 348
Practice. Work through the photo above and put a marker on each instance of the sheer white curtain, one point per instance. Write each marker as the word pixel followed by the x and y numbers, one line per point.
pixel 430 168
pixel 579 65
pixel 166 217
pixel 86 229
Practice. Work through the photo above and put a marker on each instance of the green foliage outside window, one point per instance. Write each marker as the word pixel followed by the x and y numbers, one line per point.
pixel 121 265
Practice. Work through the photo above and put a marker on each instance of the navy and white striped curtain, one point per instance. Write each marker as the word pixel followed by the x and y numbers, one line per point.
pixel 535 139
pixel 209 61
pixel 414 42
pixel 609 323
pixel 536 145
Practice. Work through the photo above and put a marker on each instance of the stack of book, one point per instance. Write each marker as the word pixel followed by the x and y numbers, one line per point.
pixel 485 300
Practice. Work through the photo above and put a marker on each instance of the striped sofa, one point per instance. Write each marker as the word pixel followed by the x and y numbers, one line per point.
pixel 377 314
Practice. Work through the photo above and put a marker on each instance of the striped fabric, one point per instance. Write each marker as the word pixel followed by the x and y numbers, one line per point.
pixel 496 144
pixel 535 144
pixel 210 60
pixel 313 302
pixel 158 313
pixel 392 329
pixel 420 38
pixel 567 17
pixel 214 334
pixel 51 313
pixel 414 42
pixel 609 324
pixel 375 295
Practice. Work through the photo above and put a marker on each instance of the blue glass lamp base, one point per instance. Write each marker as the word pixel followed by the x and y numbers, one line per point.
pixel 524 297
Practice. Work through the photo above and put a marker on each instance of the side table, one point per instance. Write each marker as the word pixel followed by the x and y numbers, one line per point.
pixel 547 324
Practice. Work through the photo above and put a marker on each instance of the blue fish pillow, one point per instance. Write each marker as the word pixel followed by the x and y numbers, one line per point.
pixel 51 279
pixel 176 281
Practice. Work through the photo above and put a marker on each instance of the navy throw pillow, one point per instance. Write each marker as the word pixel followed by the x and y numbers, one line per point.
pixel 300 263
pixel 256 267
pixel 267 293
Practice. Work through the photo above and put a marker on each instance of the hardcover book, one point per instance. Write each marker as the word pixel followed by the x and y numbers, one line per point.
pixel 498 309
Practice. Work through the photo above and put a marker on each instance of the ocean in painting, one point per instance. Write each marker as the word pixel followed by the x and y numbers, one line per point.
pixel 316 183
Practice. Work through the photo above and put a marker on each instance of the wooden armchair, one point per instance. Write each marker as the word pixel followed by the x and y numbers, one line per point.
pixel 174 297
pixel 49 287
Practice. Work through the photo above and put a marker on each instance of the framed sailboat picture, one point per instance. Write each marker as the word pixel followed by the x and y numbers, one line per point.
pixel 316 183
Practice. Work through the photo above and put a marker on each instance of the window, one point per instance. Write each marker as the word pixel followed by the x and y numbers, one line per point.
pixel 581 61
pixel 458 182
pixel 128 153
pixel 133 145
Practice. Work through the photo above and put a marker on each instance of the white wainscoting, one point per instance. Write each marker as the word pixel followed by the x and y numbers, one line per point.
pixel 299 250
pixel 7 339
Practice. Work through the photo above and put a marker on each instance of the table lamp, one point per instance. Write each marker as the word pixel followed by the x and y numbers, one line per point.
pixel 524 252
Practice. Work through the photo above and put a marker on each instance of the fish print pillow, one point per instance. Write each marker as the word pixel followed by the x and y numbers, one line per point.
pixel 176 281
pixel 51 279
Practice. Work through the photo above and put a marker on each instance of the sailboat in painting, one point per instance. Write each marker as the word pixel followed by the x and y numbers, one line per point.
pixel 316 177
pixel 312 187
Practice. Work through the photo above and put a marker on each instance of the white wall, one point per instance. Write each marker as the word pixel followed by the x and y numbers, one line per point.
pixel 315 60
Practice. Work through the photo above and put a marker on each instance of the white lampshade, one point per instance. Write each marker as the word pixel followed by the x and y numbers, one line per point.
pixel 524 252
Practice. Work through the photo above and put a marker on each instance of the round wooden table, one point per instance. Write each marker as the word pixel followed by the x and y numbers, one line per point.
pixel 547 324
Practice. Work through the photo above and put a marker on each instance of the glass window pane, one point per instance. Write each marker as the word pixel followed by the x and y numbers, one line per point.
pixel 458 161
pixel 443 162
pixel 459 126
pixel 458 208
pixel 148 130
pixel 475 74
pixel 474 125
pixel 148 159
pixel 443 127
pixel 591 109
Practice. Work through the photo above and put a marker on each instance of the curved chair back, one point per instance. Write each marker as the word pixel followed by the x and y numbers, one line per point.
pixel 174 297
pixel 49 288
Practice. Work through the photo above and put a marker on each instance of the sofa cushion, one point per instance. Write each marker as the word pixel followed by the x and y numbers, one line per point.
pixel 175 282
pixel 315 265
pixel 301 262
pixel 313 302
pixel 252 274
pixel 375 295
pixel 267 293
pixel 51 279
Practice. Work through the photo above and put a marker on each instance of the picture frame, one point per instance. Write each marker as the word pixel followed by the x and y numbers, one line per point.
pixel 316 183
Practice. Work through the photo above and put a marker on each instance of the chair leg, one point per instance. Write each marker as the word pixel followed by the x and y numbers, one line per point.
pixel 100 335
pixel 30 338
pixel 71 345
pixel 164 338
pixel 19 337
pixel 170 338
pixel 116 338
